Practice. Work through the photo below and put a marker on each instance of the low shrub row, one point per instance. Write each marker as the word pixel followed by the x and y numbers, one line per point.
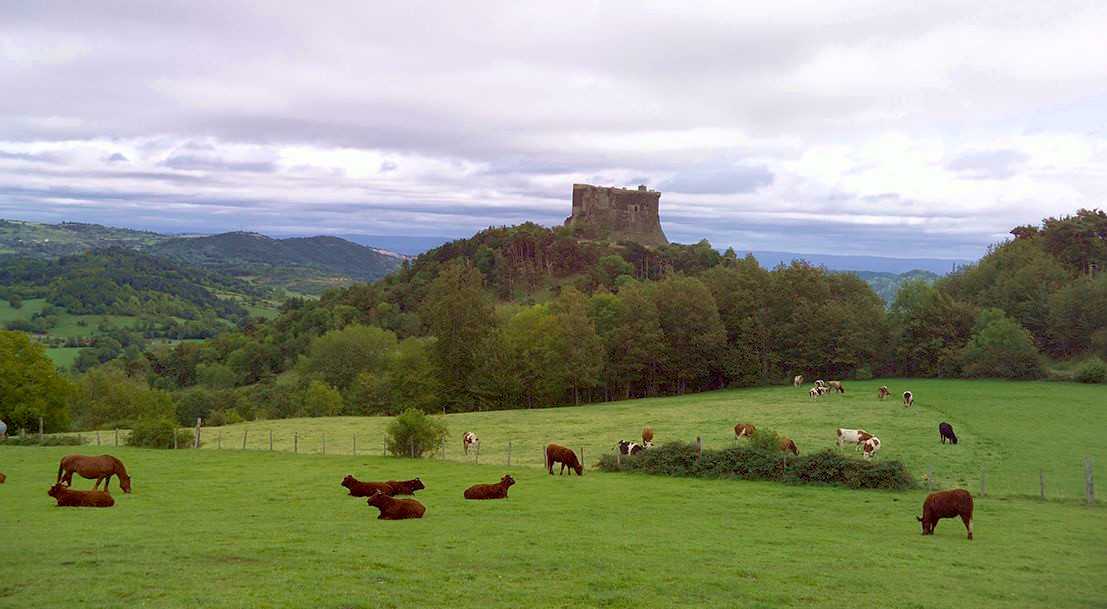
pixel 31 439
pixel 759 463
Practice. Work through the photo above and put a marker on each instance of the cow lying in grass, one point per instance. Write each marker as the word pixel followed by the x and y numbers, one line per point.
pixel 404 487
pixel 490 491
pixel 396 509
pixel 366 489
pixel 68 497
pixel 3 478
pixel 946 504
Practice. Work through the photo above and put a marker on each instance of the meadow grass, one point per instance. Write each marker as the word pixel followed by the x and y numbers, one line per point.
pixel 1010 428
pixel 259 529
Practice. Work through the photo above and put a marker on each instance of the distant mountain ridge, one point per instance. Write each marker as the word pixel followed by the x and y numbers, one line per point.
pixel 303 264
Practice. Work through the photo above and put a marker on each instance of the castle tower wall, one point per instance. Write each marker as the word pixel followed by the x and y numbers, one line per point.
pixel 618 214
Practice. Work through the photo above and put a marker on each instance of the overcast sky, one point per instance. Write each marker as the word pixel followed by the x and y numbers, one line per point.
pixel 888 128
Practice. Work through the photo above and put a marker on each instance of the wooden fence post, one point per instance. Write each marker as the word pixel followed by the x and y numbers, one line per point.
pixel 1089 490
pixel 619 459
pixel 270 440
pixel 442 441
pixel 355 445
pixel 509 454
pixel 929 476
pixel 411 446
pixel 244 432
pixel 324 442
pixel 1041 485
pixel 175 430
pixel 476 459
pixel 384 447
pixel 117 436
pixel 295 441
pixel 40 431
pixel 983 479
pixel 197 439
pixel 699 448
pixel 98 438
pixel 220 445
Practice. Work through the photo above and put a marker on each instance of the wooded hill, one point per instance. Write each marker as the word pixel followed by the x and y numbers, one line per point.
pixel 306 265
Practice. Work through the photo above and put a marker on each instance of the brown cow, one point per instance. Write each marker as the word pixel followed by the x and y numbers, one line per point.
pixel 946 504
pixel 835 386
pixel 365 489
pixel 68 497
pixel 647 437
pixel 3 478
pixel 743 430
pixel 883 392
pixel 564 456
pixel 396 509
pixel 404 487
pixel 786 443
pixel 490 491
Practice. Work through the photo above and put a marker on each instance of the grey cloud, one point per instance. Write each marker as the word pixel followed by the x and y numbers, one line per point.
pixel 729 180
pixel 207 163
pixel 988 165
pixel 117 158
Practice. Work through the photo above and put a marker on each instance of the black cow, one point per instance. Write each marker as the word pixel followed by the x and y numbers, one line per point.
pixel 946 431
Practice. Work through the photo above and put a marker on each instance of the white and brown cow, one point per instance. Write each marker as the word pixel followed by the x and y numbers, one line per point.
pixel 743 430
pixel 852 436
pixel 797 381
pixel 870 446
pixel 469 439
pixel 883 392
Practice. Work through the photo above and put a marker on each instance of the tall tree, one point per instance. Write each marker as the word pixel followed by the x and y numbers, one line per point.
pixel 579 348
pixel 460 317
pixel 637 342
pixel 695 338
pixel 30 387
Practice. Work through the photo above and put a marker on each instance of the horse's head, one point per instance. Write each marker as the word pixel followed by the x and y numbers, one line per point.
pixel 125 483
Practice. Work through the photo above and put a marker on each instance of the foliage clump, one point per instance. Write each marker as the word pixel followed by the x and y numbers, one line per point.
pixel 158 433
pixel 759 461
pixel 1091 370
pixel 413 433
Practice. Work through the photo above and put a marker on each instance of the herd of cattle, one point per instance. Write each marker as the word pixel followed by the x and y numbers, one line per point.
pixel 952 503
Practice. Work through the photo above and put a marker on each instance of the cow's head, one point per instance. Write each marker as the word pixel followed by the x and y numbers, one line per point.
pixel 579 469
pixel 928 527
pixel 417 484
pixel 507 481
pixel 376 498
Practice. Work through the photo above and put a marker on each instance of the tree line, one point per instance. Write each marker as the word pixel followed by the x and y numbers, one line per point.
pixel 523 317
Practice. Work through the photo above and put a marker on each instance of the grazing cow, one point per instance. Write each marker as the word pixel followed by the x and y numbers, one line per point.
pixel 469 438
pixel 490 491
pixel 883 392
pixel 365 489
pixel 817 391
pixel 743 430
pixel 629 448
pixel 946 504
pixel 404 487
pixel 908 398
pixel 833 386
pixel 647 437
pixel 3 478
pixel 870 446
pixel 852 436
pixel 820 383
pixel 396 509
pixel 68 497
pixel 797 381
pixel 945 430
pixel 786 443
pixel 564 456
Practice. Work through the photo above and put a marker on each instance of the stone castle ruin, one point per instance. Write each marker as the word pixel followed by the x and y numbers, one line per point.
pixel 617 214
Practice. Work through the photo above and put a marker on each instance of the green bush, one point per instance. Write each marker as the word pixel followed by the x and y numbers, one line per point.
pixel 158 433
pixel 47 440
pixel 413 433
pixel 1091 370
pixel 755 462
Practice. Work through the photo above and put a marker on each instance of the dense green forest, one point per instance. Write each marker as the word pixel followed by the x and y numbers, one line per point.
pixel 528 316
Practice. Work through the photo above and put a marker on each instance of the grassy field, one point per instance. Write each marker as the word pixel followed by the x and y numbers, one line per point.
pixel 234 528
pixel 1011 428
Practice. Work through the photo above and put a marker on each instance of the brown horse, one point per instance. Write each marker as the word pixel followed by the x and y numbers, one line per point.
pixel 101 468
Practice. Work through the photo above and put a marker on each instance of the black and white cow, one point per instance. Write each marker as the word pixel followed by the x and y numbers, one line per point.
pixel 908 398
pixel 629 448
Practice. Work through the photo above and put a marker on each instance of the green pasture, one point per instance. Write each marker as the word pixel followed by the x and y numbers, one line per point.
pixel 1010 428
pixel 68 325
pixel 258 529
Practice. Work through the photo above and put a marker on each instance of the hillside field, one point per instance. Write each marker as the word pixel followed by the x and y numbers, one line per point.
pixel 234 528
